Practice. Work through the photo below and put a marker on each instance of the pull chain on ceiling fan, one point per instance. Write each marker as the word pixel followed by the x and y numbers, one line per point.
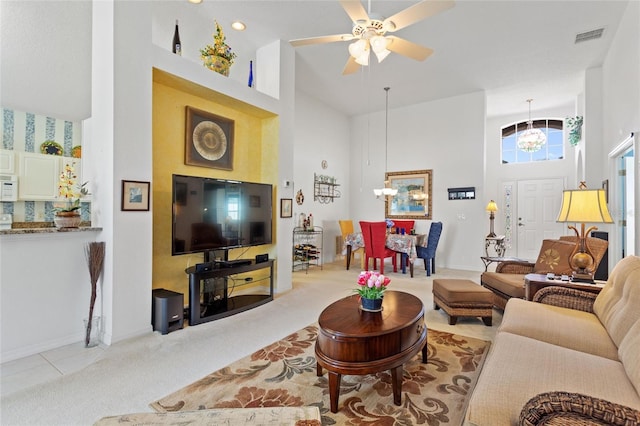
pixel 369 32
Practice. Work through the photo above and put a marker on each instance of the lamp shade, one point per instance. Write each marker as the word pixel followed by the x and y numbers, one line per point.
pixel 584 205
pixel 492 206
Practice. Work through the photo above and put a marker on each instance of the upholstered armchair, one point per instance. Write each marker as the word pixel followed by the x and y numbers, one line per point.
pixel 555 257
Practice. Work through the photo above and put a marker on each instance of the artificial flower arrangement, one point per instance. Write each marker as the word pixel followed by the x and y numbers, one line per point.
pixel 219 48
pixel 372 285
pixel 70 190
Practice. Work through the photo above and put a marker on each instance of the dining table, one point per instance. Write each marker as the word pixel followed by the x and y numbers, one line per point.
pixel 405 244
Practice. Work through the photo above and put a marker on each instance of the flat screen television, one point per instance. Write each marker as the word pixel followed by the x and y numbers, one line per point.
pixel 215 214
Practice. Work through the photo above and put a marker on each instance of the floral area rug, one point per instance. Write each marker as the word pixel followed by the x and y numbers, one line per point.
pixel 283 374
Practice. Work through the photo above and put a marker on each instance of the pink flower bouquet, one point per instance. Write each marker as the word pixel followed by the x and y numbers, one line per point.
pixel 372 285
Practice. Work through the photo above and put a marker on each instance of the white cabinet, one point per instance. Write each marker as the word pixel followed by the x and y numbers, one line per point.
pixel 7 162
pixel 38 176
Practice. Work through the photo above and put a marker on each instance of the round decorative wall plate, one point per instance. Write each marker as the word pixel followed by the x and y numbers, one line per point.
pixel 209 140
pixel 299 197
pixel 324 164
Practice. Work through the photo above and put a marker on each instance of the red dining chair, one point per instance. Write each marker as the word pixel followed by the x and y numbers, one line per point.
pixel 406 224
pixel 375 238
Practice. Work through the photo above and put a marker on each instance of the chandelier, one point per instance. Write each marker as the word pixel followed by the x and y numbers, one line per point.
pixel 386 191
pixel 531 140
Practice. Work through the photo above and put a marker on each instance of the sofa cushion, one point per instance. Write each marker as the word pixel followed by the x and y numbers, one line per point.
pixel 628 353
pixel 554 257
pixel 618 304
pixel 518 368
pixel 510 284
pixel 569 328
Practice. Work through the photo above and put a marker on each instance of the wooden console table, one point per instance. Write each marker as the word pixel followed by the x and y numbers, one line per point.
pixel 355 342
pixel 535 282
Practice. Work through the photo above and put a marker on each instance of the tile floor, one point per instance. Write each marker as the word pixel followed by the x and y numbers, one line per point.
pixel 32 370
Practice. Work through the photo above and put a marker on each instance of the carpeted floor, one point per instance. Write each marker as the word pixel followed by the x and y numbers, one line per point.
pixel 284 374
pixel 131 373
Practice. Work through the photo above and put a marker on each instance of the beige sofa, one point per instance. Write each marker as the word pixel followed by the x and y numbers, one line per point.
pixel 576 366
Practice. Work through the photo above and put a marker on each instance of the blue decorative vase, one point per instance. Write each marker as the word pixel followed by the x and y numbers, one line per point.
pixel 371 305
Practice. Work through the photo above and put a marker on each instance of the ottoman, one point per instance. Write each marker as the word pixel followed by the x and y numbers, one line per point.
pixel 463 298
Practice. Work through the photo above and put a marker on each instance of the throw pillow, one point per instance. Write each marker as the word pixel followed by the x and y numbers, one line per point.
pixel 555 257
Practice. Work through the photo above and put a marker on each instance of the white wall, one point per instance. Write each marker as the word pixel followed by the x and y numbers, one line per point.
pixel 497 173
pixel 45 291
pixel 446 136
pixel 620 80
pixel 321 134
pixel 621 110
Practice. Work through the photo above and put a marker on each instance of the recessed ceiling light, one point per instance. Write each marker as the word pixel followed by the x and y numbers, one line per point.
pixel 195 1
pixel 238 25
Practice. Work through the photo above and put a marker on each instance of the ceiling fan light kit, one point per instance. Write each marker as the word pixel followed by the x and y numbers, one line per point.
pixel 370 32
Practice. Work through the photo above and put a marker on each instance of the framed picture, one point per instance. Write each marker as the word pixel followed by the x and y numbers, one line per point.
pixel 135 195
pixel 413 200
pixel 605 186
pixel 286 205
pixel 209 140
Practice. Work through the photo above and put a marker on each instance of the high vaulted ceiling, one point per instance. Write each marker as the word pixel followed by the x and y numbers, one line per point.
pixel 514 50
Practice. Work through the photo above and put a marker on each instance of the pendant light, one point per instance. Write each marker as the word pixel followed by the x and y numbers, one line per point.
pixel 386 191
pixel 531 140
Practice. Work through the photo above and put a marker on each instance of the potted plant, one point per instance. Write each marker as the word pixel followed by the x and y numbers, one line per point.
pixel 372 286
pixel 575 129
pixel 218 56
pixel 67 213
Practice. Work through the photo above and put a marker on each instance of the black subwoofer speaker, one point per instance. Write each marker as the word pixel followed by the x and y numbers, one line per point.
pixel 167 310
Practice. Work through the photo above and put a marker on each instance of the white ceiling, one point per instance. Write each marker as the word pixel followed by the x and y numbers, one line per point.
pixel 514 50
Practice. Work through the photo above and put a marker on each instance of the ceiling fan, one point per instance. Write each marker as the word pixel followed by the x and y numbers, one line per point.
pixel 369 32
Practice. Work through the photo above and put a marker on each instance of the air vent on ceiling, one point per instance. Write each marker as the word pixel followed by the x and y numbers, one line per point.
pixel 589 35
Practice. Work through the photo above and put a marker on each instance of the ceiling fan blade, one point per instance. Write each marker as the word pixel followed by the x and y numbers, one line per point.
pixel 408 49
pixel 417 12
pixel 351 66
pixel 355 10
pixel 321 39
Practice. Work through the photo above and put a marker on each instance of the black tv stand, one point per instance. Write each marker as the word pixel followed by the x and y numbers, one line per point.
pixel 233 263
pixel 214 294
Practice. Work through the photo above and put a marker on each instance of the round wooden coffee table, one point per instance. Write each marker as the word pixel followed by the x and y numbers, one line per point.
pixel 355 342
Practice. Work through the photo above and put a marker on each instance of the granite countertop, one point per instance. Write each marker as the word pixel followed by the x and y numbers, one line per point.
pixel 19 228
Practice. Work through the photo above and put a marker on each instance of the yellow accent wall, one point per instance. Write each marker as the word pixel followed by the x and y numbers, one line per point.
pixel 255 155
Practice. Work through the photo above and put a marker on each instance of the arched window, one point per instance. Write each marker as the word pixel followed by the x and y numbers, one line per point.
pixel 553 149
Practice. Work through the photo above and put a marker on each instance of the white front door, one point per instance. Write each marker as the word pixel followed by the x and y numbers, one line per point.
pixel 538 206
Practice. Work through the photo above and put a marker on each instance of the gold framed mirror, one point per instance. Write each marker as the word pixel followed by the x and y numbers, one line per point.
pixel 413 200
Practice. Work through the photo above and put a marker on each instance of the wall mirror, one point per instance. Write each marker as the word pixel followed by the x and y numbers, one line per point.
pixel 413 200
